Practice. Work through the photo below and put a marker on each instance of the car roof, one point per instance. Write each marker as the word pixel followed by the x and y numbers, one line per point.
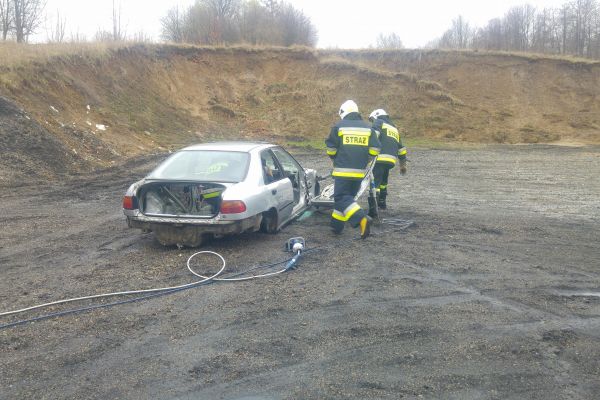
pixel 229 146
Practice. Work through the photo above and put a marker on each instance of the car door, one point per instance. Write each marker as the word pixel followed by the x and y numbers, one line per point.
pixel 295 173
pixel 278 187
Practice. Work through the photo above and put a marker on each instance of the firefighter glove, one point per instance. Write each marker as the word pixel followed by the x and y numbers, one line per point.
pixel 403 167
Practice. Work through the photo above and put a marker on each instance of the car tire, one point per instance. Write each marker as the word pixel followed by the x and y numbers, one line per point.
pixel 270 221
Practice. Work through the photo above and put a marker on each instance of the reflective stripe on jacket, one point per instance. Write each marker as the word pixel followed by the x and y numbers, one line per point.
pixel 350 143
pixel 391 143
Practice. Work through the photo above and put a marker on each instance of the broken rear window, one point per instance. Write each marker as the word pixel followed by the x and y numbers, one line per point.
pixel 204 165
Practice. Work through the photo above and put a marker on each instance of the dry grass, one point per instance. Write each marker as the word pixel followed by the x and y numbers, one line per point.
pixel 444 96
pixel 363 68
pixel 416 53
pixel 534 56
pixel 12 54
pixel 429 85
pixel 15 54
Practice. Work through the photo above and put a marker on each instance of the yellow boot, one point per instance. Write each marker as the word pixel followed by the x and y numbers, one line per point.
pixel 365 226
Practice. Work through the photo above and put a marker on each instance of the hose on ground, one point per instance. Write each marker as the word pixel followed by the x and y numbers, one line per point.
pixel 128 292
pixel 397 223
pixel 290 264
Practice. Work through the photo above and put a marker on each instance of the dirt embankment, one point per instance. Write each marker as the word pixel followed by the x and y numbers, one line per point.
pixel 28 149
pixel 100 108
pixel 506 98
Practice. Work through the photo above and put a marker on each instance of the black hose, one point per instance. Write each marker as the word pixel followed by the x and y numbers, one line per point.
pixel 136 299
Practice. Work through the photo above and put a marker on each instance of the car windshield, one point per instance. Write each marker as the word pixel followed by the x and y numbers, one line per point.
pixel 204 165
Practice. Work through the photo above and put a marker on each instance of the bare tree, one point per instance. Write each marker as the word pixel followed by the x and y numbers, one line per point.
pixel 56 30
pixel 518 23
pixel 578 17
pixel 565 18
pixel 574 28
pixel 255 24
pixel 223 8
pixel 595 53
pixel 6 18
pixel 583 12
pixel 546 34
pixel 491 37
pixel 173 25
pixel 77 37
pixel 141 37
pixel 236 21
pixel 196 24
pixel 389 41
pixel 296 27
pixel 555 32
pixel 103 35
pixel 211 22
pixel 27 17
pixel 462 32
pixel 541 32
pixel 272 6
pixel 459 36
pixel 222 28
pixel 118 33
pixel 271 26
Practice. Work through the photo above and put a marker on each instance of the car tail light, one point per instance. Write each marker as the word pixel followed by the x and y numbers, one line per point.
pixel 232 207
pixel 130 203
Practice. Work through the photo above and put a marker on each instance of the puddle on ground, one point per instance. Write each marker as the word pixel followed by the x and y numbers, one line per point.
pixel 577 293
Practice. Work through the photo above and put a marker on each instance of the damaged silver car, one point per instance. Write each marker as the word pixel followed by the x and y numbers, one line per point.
pixel 218 189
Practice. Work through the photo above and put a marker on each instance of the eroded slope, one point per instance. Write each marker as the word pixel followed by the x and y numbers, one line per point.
pixel 104 108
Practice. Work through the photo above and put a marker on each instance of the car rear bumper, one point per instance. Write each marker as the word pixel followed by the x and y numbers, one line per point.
pixel 207 226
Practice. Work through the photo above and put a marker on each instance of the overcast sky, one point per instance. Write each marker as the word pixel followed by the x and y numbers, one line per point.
pixel 340 23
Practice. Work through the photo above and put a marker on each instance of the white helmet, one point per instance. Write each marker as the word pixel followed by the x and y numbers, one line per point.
pixel 348 107
pixel 376 114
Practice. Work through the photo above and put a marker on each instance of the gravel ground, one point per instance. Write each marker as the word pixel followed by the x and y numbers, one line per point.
pixel 493 293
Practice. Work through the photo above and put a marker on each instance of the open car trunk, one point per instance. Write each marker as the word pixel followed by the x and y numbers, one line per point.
pixel 180 199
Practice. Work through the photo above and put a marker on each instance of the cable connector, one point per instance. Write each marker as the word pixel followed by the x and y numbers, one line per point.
pixel 295 244
pixel 292 263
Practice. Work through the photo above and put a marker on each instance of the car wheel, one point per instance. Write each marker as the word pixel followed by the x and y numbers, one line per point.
pixel 270 221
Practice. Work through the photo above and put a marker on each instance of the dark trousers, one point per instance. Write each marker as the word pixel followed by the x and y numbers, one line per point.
pixel 381 173
pixel 345 208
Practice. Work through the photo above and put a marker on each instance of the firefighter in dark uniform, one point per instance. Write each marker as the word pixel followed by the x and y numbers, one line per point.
pixel 350 144
pixel 392 151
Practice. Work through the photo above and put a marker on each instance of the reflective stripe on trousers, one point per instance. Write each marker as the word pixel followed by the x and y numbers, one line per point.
pixel 345 208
